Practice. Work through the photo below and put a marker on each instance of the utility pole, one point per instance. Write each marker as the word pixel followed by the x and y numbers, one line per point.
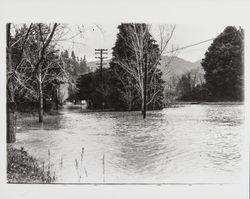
pixel 101 52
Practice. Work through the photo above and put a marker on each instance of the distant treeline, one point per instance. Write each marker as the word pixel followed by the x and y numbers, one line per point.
pixel 222 81
pixel 122 85
pixel 75 67
pixel 224 69
pixel 110 93
pixel 224 72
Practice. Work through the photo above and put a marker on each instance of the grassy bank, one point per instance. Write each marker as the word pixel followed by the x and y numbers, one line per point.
pixel 22 168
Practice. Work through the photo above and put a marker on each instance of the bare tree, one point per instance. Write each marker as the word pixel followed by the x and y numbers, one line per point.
pixel 40 64
pixel 141 61
pixel 31 66
pixel 35 54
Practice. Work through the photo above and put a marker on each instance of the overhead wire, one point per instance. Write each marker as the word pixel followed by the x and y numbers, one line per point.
pixel 198 43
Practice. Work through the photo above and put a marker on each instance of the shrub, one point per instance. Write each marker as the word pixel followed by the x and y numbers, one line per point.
pixel 22 168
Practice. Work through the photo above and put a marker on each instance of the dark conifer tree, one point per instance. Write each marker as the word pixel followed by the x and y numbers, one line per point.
pixel 223 65
pixel 73 56
pixel 127 93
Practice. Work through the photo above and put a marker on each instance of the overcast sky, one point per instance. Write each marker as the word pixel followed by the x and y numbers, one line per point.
pixel 94 37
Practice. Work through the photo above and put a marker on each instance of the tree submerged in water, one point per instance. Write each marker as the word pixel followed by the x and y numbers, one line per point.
pixel 136 56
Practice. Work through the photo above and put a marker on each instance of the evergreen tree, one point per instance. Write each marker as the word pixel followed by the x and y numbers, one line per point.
pixel 66 54
pixel 95 91
pixel 120 88
pixel 83 66
pixel 129 90
pixel 75 66
pixel 223 65
pixel 73 56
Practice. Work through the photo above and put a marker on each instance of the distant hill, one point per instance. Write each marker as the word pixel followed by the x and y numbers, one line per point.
pixel 199 66
pixel 177 66
pixel 198 62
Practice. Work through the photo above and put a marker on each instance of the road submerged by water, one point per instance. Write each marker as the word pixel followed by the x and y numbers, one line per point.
pixel 188 144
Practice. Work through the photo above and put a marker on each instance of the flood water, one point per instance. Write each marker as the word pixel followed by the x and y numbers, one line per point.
pixel 192 143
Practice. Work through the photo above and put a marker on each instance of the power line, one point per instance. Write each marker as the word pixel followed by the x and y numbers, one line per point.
pixel 198 43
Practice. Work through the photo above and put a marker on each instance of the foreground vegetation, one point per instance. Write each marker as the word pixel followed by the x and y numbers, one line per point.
pixel 22 168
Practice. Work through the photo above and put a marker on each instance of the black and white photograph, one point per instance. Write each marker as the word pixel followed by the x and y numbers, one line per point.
pixel 137 103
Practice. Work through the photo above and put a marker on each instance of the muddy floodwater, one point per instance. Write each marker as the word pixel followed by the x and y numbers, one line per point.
pixel 191 143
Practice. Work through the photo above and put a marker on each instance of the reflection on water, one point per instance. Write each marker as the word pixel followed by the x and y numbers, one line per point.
pixel 193 143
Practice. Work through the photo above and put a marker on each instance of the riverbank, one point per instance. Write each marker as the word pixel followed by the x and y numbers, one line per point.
pixel 175 104
pixel 23 168
pixel 208 103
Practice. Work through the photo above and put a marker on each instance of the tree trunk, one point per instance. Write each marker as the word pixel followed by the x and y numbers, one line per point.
pixel 145 93
pixel 57 97
pixel 142 106
pixel 130 103
pixel 11 134
pixel 130 96
pixel 40 90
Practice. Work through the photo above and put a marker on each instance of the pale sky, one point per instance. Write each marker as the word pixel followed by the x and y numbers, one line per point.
pixel 94 37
